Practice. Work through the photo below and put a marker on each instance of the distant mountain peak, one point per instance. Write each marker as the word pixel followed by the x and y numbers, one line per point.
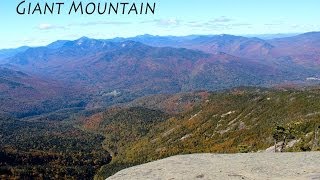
pixel 57 44
pixel 314 34
pixel 311 33
pixel 145 36
pixel 83 38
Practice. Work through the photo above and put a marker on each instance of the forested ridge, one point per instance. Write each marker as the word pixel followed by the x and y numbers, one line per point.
pixel 240 120
pixel 76 143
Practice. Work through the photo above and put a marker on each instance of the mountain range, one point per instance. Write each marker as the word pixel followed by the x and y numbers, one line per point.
pixel 147 64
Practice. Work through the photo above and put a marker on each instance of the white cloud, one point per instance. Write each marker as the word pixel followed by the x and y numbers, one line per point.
pixel 168 22
pixel 46 26
pixel 163 22
pixel 221 19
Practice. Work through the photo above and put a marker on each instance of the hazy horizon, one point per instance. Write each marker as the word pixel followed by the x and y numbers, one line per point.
pixel 261 36
pixel 171 18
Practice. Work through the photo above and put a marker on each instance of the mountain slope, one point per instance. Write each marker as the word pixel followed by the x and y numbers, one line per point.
pixel 303 49
pixel 231 119
pixel 6 53
pixel 22 94
pixel 228 122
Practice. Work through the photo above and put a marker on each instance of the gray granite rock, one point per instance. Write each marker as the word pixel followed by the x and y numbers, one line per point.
pixel 287 166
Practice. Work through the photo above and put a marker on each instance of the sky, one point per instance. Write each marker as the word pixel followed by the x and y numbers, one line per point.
pixel 172 17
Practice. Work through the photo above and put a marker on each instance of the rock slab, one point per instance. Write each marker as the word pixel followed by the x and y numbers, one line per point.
pixel 284 166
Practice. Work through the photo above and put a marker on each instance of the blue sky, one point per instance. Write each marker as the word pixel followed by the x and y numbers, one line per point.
pixel 172 17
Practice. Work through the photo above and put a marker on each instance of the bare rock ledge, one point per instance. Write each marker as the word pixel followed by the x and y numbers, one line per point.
pixel 284 166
